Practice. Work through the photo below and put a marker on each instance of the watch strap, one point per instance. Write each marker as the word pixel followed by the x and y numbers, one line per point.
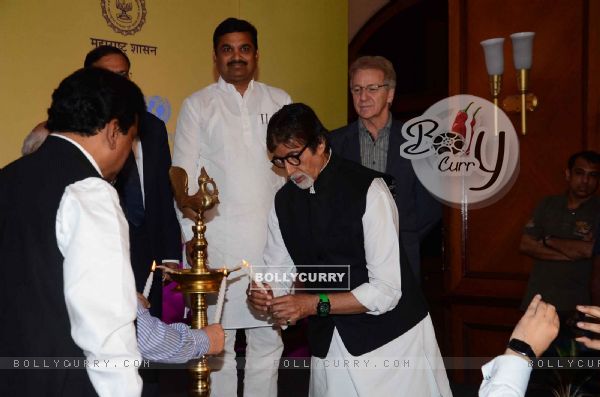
pixel 522 348
pixel 323 306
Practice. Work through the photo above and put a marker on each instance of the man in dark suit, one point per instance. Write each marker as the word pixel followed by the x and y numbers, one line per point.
pixel 374 141
pixel 143 186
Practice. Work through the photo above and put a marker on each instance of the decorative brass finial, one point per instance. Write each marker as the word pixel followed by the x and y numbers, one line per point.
pixel 199 280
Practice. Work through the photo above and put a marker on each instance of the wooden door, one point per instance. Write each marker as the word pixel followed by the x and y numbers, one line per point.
pixel 485 276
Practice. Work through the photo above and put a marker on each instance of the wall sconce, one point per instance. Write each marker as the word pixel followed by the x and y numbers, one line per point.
pixel 494 62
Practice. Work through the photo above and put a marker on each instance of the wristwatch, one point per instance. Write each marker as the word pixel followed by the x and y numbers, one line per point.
pixel 324 306
pixel 523 348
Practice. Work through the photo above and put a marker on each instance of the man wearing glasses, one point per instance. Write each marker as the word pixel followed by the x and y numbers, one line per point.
pixel 374 141
pixel 336 217
pixel 223 128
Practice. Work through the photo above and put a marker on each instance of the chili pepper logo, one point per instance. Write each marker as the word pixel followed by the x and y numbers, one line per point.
pixel 456 157
pixel 457 141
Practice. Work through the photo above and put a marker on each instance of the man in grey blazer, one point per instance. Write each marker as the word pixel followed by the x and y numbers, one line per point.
pixel 374 141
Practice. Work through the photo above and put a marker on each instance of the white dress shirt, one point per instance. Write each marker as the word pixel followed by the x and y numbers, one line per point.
pixel 99 288
pixel 505 376
pixel 225 132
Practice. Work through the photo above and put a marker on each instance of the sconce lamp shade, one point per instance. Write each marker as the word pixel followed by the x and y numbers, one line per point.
pixel 522 48
pixel 494 55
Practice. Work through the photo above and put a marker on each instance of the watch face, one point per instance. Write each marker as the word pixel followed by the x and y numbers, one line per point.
pixel 323 309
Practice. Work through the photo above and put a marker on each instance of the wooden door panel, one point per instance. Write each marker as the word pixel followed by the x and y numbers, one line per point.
pixel 484 267
pixel 488 238
pixel 478 331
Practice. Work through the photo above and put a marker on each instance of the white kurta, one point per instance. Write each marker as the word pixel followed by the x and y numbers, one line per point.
pixel 379 295
pixel 99 288
pixel 226 133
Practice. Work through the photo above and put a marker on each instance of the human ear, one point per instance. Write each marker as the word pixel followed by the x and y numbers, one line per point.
pixel 112 131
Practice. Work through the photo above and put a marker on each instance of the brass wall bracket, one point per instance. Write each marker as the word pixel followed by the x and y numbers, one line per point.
pixel 512 103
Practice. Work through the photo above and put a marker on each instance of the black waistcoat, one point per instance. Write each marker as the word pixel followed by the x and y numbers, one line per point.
pixel 323 233
pixel 33 314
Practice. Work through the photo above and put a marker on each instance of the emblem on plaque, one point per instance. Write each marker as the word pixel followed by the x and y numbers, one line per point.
pixel 124 16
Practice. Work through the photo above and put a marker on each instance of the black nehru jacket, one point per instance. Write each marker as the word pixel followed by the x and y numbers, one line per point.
pixel 33 314
pixel 324 230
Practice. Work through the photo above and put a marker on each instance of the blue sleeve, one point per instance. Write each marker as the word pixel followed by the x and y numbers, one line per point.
pixel 168 343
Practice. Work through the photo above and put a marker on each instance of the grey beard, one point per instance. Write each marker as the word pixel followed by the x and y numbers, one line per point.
pixel 306 183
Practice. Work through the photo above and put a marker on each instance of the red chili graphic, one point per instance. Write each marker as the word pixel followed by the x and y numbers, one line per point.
pixel 472 129
pixel 459 126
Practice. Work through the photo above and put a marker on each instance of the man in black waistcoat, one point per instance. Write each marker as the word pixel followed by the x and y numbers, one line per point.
pixel 67 291
pixel 334 226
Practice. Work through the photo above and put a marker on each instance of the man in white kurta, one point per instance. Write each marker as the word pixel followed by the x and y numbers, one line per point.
pixel 223 128
pixel 321 188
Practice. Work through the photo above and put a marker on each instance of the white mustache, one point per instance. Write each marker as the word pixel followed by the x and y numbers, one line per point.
pixel 307 181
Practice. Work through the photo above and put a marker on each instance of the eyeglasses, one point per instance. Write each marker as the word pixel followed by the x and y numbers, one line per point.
pixel 371 88
pixel 292 159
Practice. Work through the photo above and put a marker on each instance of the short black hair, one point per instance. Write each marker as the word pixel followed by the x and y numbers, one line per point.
pixel 101 51
pixel 588 155
pixel 232 25
pixel 296 122
pixel 88 99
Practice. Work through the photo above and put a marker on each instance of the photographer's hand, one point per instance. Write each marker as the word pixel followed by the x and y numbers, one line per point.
pixel 538 327
pixel 593 312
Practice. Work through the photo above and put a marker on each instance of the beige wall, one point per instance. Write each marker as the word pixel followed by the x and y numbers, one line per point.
pixel 302 46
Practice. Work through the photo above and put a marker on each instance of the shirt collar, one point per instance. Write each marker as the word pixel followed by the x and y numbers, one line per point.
pixel 85 153
pixel 228 87
pixel 382 132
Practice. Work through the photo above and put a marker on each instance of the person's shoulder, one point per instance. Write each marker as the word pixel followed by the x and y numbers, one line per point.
pixel 92 190
pixel 275 92
pixel 552 202
pixel 352 167
pixel 22 164
pixel 15 164
pixel 595 200
pixel 152 129
pixel 199 101
pixel 203 93
pixel 344 129
pixel 341 133
pixel 150 119
pixel 554 199
pixel 284 191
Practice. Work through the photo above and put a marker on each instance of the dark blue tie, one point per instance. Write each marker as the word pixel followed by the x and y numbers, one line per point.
pixel 130 191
